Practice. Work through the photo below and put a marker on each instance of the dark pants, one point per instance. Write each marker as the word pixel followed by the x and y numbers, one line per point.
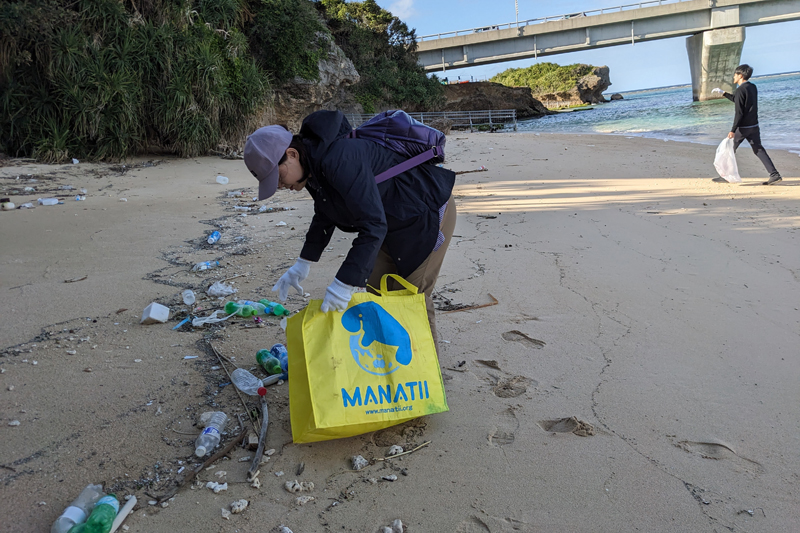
pixel 753 136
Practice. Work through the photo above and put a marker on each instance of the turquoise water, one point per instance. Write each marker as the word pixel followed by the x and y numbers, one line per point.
pixel 669 113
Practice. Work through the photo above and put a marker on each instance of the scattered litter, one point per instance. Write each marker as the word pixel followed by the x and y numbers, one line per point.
pixel 188 297
pixel 14 423
pixel 8 205
pixel 11 387
pixel 152 502
pixel 390 477
pixel 216 487
pixel 66 188
pixel 397 526
pixel 226 514
pixel 123 199
pixel 155 313
pixel 279 474
pixel 75 161
pixel 256 484
pixel 182 322
pixel 137 360
pixel 270 452
pixel 80 198
pixel 71 352
pixel 239 506
pixel 302 500
pixel 281 223
pixel 191 356
pixel 221 473
pixel 298 486
pixel 164 505
pixel 394 450
pixel 73 280
pixel 233 194
pixel 220 289
pixel 222 180
pixel 47 201
pixel 241 208
pixel 244 459
pixel 285 529
pixel 359 462
pixel 213 318
pixel 26 205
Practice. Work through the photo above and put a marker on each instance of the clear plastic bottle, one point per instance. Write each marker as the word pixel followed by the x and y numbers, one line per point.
pixel 78 510
pixel 248 383
pixel 102 517
pixel 48 201
pixel 205 265
pixel 258 306
pixel 211 435
pixel 239 309
pixel 222 180
pixel 214 237
pixel 188 297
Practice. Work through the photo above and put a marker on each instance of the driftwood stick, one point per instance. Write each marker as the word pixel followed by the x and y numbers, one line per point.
pixel 262 440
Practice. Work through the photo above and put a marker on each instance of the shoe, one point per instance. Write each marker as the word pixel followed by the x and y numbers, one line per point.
pixel 719 180
pixel 772 180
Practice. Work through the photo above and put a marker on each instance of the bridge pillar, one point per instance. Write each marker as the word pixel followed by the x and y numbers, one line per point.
pixel 713 56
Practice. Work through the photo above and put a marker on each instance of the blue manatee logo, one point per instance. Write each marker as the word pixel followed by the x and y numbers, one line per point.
pixel 380 344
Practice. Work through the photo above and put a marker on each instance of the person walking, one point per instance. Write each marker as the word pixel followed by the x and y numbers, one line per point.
pixel 403 225
pixel 745 120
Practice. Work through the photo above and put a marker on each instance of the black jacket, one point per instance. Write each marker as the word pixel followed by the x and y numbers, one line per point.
pixel 401 213
pixel 746 100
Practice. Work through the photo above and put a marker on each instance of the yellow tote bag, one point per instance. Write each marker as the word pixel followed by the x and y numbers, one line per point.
pixel 368 368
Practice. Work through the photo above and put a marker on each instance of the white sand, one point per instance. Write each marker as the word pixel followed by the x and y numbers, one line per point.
pixel 668 306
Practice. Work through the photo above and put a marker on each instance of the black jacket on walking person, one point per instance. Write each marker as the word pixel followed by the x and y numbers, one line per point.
pixel 401 213
pixel 746 100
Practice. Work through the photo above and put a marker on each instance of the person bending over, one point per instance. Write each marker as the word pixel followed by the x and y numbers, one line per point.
pixel 745 120
pixel 403 225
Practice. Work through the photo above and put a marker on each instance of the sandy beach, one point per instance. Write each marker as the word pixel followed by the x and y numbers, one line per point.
pixel 639 372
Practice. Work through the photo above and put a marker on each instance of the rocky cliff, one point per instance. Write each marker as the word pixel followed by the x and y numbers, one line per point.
pixel 298 98
pixel 478 96
pixel 588 90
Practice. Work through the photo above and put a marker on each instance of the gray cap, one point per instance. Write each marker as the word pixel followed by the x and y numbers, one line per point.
pixel 262 152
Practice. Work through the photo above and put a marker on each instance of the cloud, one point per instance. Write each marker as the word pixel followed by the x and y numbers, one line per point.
pixel 402 9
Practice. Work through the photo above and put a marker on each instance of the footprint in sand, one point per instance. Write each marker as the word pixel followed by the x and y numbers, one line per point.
pixel 491 524
pixel 721 451
pixel 518 336
pixel 511 387
pixel 568 425
pixel 503 432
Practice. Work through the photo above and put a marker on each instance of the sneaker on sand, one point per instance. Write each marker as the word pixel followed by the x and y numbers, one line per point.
pixel 772 180
pixel 719 180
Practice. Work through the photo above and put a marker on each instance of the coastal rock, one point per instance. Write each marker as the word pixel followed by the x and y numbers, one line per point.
pixel 298 98
pixel 616 96
pixel 588 90
pixel 479 96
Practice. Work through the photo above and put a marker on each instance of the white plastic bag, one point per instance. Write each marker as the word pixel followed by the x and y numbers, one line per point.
pixel 725 161
pixel 220 289
pixel 213 318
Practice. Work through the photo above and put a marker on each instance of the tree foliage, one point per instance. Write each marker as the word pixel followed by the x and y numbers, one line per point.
pixel 382 48
pixel 544 78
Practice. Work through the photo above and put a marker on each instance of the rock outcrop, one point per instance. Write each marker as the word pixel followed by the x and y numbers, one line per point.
pixel 478 96
pixel 616 96
pixel 588 90
pixel 298 98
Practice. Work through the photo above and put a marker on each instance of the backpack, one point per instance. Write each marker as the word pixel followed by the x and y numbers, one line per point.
pixel 397 131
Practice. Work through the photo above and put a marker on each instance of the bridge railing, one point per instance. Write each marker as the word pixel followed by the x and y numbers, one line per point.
pixel 542 20
pixel 489 118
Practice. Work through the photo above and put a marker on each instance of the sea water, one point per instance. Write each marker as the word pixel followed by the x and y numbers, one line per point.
pixel 669 113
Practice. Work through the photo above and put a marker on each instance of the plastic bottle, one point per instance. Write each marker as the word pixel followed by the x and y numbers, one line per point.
pixel 275 308
pixel 239 309
pixel 78 510
pixel 210 436
pixel 188 297
pixel 248 383
pixel 48 201
pixel 279 352
pixel 214 237
pixel 222 180
pixel 260 308
pixel 102 517
pixel 267 361
pixel 205 265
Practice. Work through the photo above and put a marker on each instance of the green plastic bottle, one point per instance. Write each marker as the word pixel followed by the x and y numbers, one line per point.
pixel 275 308
pixel 268 362
pixel 102 517
pixel 239 309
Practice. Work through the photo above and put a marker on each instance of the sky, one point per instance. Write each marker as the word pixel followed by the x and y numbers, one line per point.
pixel 769 49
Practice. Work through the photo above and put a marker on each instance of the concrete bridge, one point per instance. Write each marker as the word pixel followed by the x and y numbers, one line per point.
pixel 715 31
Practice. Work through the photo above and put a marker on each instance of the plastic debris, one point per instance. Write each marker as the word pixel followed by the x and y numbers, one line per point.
pixel 239 506
pixel 390 477
pixel 216 487
pixel 394 450
pixel 220 289
pixel 222 180
pixel 155 313
pixel 359 462
pixel 226 514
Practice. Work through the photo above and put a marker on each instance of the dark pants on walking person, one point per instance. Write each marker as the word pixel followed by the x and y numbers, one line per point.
pixel 753 136
pixel 425 276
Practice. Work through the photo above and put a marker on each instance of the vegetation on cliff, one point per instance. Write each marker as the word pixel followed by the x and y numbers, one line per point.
pixel 544 78
pixel 105 79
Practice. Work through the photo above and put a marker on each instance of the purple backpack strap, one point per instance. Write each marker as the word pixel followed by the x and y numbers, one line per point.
pixel 407 165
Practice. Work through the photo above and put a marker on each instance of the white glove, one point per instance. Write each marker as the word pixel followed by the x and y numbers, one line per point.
pixel 337 296
pixel 292 278
pixel 717 90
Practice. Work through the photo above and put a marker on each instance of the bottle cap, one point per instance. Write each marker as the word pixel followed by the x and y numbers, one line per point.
pixel 200 451
pixel 262 391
